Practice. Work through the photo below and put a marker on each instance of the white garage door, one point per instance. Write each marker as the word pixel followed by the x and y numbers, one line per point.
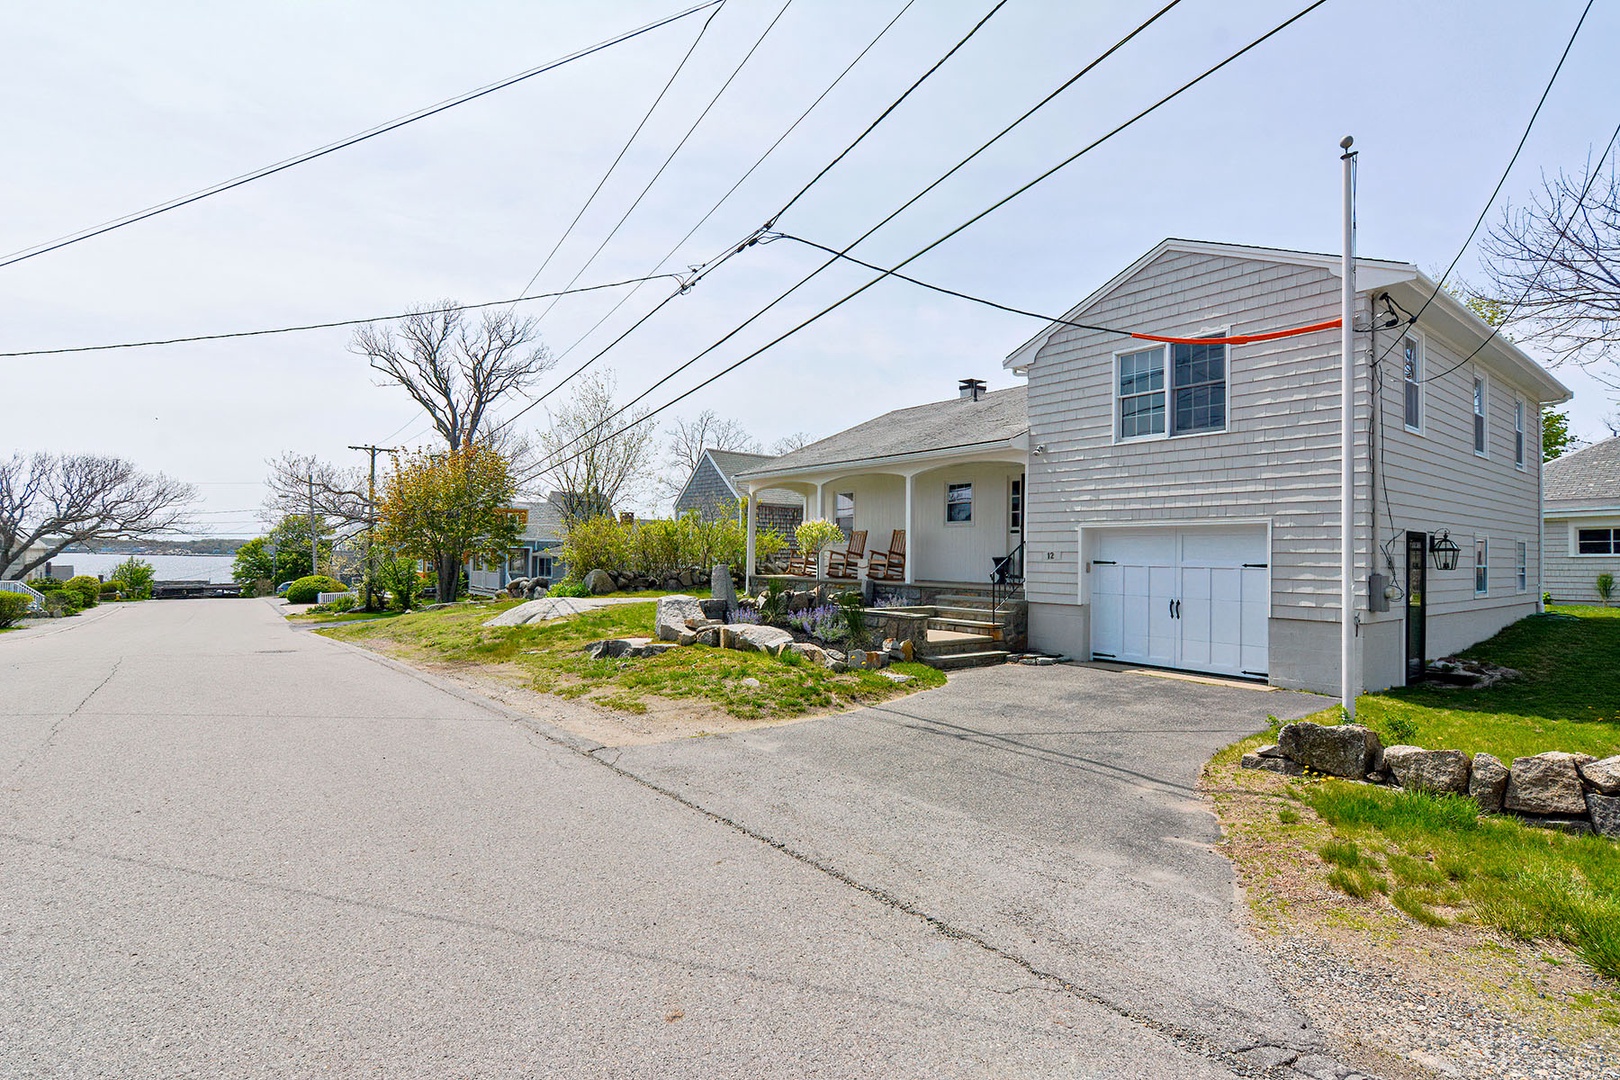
pixel 1193 598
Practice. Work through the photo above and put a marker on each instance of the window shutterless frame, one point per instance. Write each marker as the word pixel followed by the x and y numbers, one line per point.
pixel 1482 566
pixel 959 504
pixel 1481 406
pixel 1518 433
pixel 1522 567
pixel 1412 382
pixel 1155 387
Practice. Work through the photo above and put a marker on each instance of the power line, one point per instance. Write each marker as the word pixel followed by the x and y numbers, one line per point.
pixel 1042 103
pixel 335 323
pixel 741 179
pixel 958 229
pixel 341 144
pixel 678 146
pixel 1563 231
pixel 625 149
pixel 1486 209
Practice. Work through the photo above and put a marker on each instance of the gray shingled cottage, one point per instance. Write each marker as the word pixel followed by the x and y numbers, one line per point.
pixel 1582 514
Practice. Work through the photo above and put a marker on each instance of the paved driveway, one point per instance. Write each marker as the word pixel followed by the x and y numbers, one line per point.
pixel 1049 813
pixel 232 849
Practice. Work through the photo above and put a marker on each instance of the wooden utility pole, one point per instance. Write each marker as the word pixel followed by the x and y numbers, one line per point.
pixel 314 538
pixel 371 515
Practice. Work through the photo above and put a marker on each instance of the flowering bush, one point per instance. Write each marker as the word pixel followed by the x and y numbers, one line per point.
pixel 746 614
pixel 825 622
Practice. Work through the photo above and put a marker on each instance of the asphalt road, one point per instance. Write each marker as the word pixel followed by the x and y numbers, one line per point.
pixel 228 848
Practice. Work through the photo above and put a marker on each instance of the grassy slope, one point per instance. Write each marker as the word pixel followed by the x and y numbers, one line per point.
pixel 1436 858
pixel 551 655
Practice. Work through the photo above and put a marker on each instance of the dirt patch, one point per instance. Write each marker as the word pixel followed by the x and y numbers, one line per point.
pixel 1402 998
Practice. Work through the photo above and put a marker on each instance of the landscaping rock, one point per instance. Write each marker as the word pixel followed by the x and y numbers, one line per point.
pixel 671 619
pixel 1347 750
pixel 721 588
pixel 655 648
pixel 709 636
pixel 600 582
pixel 899 650
pixel 752 683
pixel 1417 769
pixel 714 609
pixel 1269 750
pixel 1601 776
pixel 752 637
pixel 896 677
pixel 613 648
pixel 1604 812
pixel 688 637
pixel 1487 783
pixel 1545 784
pixel 1564 823
pixel 813 653
pixel 1272 764
pixel 856 658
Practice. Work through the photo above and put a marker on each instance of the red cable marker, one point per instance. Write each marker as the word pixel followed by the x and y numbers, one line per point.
pixel 1243 339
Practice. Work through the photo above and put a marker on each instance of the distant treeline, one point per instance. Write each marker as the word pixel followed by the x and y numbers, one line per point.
pixel 214 545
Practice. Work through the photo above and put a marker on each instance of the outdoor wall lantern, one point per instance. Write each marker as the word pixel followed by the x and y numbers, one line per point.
pixel 1445 552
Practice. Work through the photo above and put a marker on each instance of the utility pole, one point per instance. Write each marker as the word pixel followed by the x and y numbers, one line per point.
pixel 1347 428
pixel 371 514
pixel 314 538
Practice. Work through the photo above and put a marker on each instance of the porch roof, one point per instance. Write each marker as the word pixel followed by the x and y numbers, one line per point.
pixel 997 421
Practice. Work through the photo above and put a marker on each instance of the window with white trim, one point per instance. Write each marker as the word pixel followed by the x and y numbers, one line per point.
pixel 1015 505
pixel 1522 567
pixel 1186 398
pixel 1482 566
pixel 1412 375
pixel 1479 415
pixel 958 504
pixel 844 512
pixel 1518 433
pixel 1597 541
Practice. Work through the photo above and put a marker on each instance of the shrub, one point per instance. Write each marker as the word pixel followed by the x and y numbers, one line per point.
pixel 46 585
pixel 13 606
pixel 598 543
pixel 773 606
pixel 1605 587
pixel 568 588
pixel 134 578
pixel 399 578
pixel 853 608
pixel 109 590
pixel 58 603
pixel 768 544
pixel 342 603
pixel 306 589
pixel 86 588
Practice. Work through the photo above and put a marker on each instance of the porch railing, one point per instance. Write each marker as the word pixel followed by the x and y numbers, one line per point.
pixel 1007 573
pixel 29 591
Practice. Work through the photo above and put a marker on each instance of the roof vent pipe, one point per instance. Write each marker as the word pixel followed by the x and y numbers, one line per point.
pixel 970 389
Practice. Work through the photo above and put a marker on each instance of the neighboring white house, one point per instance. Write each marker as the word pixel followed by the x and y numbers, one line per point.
pixel 1183 499
pixel 1581 507
pixel 949 475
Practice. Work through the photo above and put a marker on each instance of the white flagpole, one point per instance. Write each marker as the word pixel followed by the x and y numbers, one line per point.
pixel 1347 431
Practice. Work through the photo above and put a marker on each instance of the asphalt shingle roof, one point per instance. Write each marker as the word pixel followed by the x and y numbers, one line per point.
pixel 939 425
pixel 731 462
pixel 1588 475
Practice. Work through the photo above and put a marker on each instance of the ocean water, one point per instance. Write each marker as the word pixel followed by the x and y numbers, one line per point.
pixel 213 568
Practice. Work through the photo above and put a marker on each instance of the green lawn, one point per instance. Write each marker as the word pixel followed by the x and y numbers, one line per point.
pixel 551 656
pixel 1436 858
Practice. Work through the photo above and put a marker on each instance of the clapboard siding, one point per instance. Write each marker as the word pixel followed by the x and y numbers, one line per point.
pixel 1278 459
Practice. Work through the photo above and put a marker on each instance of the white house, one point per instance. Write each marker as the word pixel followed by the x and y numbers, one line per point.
pixel 1176 503
pixel 1184 498
pixel 1582 514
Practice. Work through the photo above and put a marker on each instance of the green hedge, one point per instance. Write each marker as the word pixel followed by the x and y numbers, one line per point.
pixel 307 589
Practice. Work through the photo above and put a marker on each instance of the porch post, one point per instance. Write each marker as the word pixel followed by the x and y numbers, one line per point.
pixel 821 509
pixel 911 535
pixel 748 569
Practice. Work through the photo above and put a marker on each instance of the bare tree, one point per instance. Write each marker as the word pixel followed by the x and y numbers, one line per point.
pixel 454 370
pixel 54 500
pixel 597 459
pixel 689 438
pixel 338 494
pixel 1560 253
pixel 789 443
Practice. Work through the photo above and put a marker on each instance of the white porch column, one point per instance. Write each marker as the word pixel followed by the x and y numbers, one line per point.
pixel 821 511
pixel 748 570
pixel 911 536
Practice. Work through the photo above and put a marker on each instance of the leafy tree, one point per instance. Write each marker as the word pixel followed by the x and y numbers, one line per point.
pixel 134 578
pixel 449 507
pixel 290 539
pixel 1555 436
pixel 54 500
pixel 398 575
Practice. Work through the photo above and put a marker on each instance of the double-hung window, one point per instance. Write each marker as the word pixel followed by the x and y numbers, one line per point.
pixel 1482 566
pixel 1521 568
pixel 1015 505
pixel 958 503
pixel 1518 434
pixel 1597 541
pixel 1479 415
pixel 844 512
pixel 1188 398
pixel 1412 374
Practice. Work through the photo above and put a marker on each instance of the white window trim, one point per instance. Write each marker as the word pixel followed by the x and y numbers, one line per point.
pixel 1485 542
pixel 947 511
pixel 1575 551
pixel 1521 437
pixel 1484 414
pixel 1521 567
pixel 1422 387
pixel 1169 388
pixel 1022 484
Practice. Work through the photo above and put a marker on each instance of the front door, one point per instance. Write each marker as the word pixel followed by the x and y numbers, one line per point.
pixel 1417 593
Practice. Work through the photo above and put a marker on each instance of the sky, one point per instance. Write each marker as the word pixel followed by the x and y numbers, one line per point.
pixel 116 107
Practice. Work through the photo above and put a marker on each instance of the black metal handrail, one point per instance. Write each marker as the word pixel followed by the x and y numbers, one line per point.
pixel 1005 571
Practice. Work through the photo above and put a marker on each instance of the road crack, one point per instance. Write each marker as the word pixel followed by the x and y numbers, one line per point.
pixel 50 736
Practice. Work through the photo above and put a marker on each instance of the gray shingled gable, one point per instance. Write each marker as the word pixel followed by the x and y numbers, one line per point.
pixel 940 425
pixel 1590 475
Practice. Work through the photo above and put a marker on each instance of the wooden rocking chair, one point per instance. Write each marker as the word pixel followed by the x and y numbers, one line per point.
pixel 798 565
pixel 889 565
pixel 842 564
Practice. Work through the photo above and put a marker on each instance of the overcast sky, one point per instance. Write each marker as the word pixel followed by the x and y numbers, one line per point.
pixel 113 107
